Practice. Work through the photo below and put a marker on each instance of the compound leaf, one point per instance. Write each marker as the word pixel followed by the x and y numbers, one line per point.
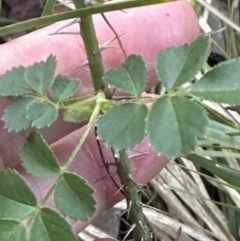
pixel 41 75
pixel 177 65
pixel 41 114
pixel 13 82
pixel 72 189
pixel 221 84
pixel 15 114
pixel 49 225
pixel 16 198
pixel 64 87
pixel 38 158
pixel 12 230
pixel 174 124
pixel 131 76
pixel 123 126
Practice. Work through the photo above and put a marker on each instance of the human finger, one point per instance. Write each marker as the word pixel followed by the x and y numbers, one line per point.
pixel 146 30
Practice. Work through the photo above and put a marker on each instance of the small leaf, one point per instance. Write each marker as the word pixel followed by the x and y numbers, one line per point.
pixel 74 197
pixel 16 198
pixel 16 112
pixel 41 114
pixel 13 82
pixel 79 109
pixel 131 76
pixel 49 225
pixel 38 158
pixel 174 124
pixel 221 84
pixel 12 230
pixel 177 65
pixel 64 87
pixel 41 75
pixel 123 126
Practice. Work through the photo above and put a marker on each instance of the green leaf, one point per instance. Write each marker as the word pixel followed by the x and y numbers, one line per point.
pixel 38 158
pixel 79 109
pixel 13 82
pixel 12 230
pixel 16 198
pixel 41 75
pixel 178 65
pixel 74 197
pixel 230 175
pixel 16 112
pixel 41 114
pixel 49 225
pixel 123 126
pixel 174 124
pixel 219 137
pixel 64 87
pixel 221 84
pixel 131 76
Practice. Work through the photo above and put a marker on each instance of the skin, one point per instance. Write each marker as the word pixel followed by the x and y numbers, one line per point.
pixel 145 31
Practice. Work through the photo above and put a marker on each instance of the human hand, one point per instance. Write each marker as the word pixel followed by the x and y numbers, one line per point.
pixel 146 30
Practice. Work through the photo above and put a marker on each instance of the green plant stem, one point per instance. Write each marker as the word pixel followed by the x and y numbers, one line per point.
pixel 141 230
pixel 90 125
pixel 48 7
pixel 94 56
pixel 46 20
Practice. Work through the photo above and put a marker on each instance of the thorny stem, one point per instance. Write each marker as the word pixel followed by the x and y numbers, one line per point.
pixel 94 56
pixel 82 12
pixel 141 231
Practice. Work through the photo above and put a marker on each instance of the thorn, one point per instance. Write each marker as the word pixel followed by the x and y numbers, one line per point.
pixel 129 231
pixel 129 175
pixel 86 63
pixel 129 209
pixel 140 222
pixel 116 34
pixel 106 44
pixel 116 155
pixel 100 49
pixel 109 174
pixel 119 190
pixel 108 164
pixel 77 20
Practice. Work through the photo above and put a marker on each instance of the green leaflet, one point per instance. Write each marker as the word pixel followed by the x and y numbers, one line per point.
pixel 178 65
pixel 131 76
pixel 14 83
pixel 174 124
pixel 64 87
pixel 24 111
pixel 38 158
pixel 41 75
pixel 74 197
pixel 41 114
pixel 16 198
pixel 123 126
pixel 16 112
pixel 221 84
pixel 11 230
pixel 49 225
